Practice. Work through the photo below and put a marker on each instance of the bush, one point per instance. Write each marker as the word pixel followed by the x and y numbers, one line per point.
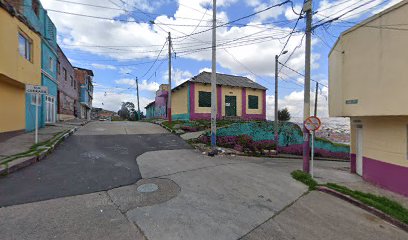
pixel 305 178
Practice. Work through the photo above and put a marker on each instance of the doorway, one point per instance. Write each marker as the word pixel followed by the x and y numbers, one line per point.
pixel 230 106
pixel 359 150
pixel 50 109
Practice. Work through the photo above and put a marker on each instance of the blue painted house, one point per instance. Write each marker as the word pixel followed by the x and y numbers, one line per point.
pixel 38 18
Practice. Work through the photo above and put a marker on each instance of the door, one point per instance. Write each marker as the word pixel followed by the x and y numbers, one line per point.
pixel 230 106
pixel 359 151
pixel 50 109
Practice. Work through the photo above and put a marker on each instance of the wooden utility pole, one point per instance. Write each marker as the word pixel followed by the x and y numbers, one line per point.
pixel 214 82
pixel 307 7
pixel 138 104
pixel 169 92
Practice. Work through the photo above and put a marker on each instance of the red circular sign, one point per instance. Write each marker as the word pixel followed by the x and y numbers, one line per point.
pixel 312 123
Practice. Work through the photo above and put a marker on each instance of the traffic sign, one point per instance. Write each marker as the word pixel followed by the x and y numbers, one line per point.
pixel 312 123
pixel 35 89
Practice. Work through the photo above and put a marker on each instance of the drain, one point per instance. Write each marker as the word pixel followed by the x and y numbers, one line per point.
pixel 148 188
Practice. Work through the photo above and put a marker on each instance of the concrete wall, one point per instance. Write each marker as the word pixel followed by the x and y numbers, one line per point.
pixel 369 64
pixel 68 91
pixel 179 104
pixel 12 105
pixel 12 64
pixel 15 72
pixel 385 151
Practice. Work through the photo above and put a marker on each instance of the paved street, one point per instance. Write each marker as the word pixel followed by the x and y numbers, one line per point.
pixel 100 156
pixel 96 186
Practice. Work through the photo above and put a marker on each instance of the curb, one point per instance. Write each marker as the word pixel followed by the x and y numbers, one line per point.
pixel 361 205
pixel 23 162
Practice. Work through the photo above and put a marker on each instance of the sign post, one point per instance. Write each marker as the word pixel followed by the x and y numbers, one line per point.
pixel 312 124
pixel 37 91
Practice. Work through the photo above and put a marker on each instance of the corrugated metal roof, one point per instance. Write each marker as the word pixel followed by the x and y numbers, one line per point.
pixel 227 80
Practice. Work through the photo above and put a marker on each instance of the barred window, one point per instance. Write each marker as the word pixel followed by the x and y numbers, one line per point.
pixel 204 99
pixel 252 102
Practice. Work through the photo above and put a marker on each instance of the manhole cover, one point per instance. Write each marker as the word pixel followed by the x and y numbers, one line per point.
pixel 147 188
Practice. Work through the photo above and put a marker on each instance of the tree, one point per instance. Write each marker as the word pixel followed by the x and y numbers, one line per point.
pixel 127 111
pixel 283 115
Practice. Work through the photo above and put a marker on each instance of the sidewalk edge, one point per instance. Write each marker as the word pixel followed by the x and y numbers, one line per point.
pixel 368 208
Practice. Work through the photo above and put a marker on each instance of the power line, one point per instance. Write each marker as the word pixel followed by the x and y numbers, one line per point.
pixel 301 74
pixel 239 19
pixel 157 58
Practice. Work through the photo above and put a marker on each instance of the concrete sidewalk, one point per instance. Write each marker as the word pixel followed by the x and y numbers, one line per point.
pixel 199 197
pixel 23 142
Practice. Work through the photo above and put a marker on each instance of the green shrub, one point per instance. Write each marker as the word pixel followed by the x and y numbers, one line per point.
pixel 305 178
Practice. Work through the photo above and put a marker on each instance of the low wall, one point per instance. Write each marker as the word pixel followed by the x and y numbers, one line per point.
pixel 290 138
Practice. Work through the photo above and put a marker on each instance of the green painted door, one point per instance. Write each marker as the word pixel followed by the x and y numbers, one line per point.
pixel 231 106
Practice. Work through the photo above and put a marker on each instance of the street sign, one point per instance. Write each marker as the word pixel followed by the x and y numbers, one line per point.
pixel 35 89
pixel 312 123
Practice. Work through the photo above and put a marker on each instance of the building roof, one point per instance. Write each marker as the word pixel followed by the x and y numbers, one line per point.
pixel 150 104
pixel 90 72
pixel 368 20
pixel 225 80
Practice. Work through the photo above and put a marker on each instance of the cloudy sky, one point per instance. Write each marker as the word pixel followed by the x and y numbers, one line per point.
pixel 116 37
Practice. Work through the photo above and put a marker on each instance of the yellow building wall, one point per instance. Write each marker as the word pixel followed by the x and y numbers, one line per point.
pixel 12 105
pixel 384 138
pixel 179 101
pixel 259 94
pixel 12 64
pixel 369 64
pixel 232 91
pixel 197 88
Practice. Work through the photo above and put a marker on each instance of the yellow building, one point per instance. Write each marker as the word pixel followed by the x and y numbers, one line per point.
pixel 368 82
pixel 20 64
pixel 237 98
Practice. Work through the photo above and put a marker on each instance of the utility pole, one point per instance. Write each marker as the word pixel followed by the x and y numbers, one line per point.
pixel 276 103
pixel 276 122
pixel 315 107
pixel 307 7
pixel 138 105
pixel 169 92
pixel 214 83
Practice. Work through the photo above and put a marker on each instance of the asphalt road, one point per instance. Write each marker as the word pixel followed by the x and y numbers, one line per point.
pixel 100 156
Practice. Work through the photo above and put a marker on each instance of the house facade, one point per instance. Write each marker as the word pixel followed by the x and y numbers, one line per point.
pixel 20 64
pixel 237 98
pixel 38 18
pixel 368 71
pixel 158 108
pixel 67 89
pixel 84 78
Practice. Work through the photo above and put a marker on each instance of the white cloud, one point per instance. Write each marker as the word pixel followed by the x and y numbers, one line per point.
pixel 206 69
pixel 143 85
pixel 289 14
pixel 390 4
pixel 254 50
pixel 113 100
pixel 103 66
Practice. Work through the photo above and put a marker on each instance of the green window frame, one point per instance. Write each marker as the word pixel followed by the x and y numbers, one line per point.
pixel 204 99
pixel 253 102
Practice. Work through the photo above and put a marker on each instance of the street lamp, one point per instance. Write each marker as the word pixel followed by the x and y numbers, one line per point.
pixel 137 91
pixel 276 99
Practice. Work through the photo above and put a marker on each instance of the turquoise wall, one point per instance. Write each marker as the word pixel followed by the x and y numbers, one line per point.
pixel 185 116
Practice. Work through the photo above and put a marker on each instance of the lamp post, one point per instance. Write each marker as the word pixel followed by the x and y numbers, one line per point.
pixel 276 99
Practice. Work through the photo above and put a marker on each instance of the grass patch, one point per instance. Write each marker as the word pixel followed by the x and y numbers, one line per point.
pixel 305 178
pixel 35 149
pixel 381 203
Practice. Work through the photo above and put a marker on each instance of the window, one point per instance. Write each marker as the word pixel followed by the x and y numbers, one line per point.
pixel 204 99
pixel 24 46
pixel 34 98
pixel 36 7
pixel 72 80
pixel 64 71
pixel 58 67
pixel 75 84
pixel 252 102
pixel 51 63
